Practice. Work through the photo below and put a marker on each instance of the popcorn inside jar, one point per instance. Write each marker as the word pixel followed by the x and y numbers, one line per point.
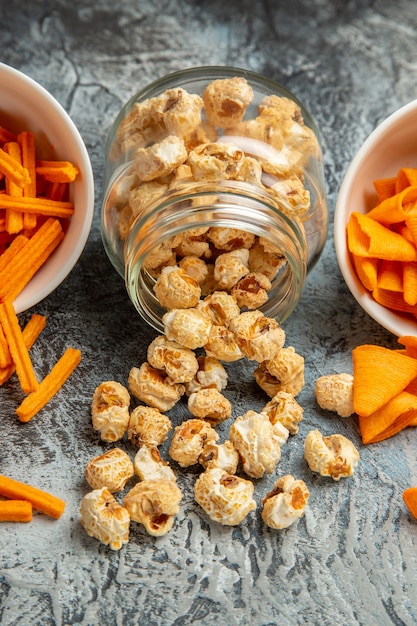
pixel 214 182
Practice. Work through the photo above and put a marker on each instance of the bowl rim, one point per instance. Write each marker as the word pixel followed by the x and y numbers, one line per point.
pixel 397 324
pixel 24 301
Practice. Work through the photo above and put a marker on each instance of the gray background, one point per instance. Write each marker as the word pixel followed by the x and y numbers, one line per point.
pixel 352 559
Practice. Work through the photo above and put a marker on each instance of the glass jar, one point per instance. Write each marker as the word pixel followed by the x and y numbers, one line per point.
pixel 209 148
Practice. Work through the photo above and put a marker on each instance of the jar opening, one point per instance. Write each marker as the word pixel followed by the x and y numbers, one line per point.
pixel 193 215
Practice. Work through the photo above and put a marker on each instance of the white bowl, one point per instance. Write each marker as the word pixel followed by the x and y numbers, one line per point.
pixel 26 105
pixel 391 146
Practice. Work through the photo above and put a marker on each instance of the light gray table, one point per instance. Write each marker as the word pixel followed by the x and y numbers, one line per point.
pixel 353 558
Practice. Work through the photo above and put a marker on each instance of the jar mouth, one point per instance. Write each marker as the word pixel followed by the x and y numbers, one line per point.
pixel 215 206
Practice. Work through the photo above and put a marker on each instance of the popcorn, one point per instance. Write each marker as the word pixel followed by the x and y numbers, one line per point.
pixel 229 239
pixel 286 503
pixel 251 292
pixel 334 456
pixel 220 455
pixel 334 392
pixel 112 470
pixel 266 263
pixel 258 337
pixel 220 307
pixel 149 465
pixel 215 161
pixel 160 159
pixel 258 445
pixel 284 408
pixel 188 327
pixel 195 267
pixel 225 498
pixel 222 345
pixel 287 367
pixel 151 387
pixel 210 374
pixel 148 426
pixel 189 439
pixel 110 410
pixel 209 404
pixel 230 267
pixel 154 503
pixel 178 363
pixel 104 518
pixel 175 289
pixel 226 100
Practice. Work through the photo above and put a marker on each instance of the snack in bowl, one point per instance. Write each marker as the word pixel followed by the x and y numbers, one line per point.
pixel 380 175
pixel 52 152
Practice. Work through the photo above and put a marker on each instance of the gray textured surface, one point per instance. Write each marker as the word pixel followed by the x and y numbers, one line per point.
pixel 353 558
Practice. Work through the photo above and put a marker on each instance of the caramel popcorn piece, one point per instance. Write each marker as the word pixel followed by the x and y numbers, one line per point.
pixel 286 503
pixel 251 292
pixel 154 503
pixel 160 159
pixel 188 327
pixel 149 465
pixel 151 387
pixel 266 263
pixel 175 289
pixel 284 408
pixel 112 469
pixel 229 239
pixel 104 518
pixel 225 498
pixel 180 111
pixel 291 197
pixel 210 374
pixel 215 161
pixel 178 363
pixel 220 455
pixel 162 254
pixel 258 445
pixel 209 404
pixel 192 242
pixel 258 337
pixel 189 439
pixel 221 307
pixel 144 194
pixel 230 267
pixel 334 456
pixel 335 393
pixel 110 410
pixel 148 426
pixel 287 367
pixel 222 345
pixel 226 100
pixel 194 267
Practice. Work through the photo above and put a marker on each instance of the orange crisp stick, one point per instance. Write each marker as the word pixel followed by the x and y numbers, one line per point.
pixel 14 219
pixel 15 511
pixel 57 171
pixel 17 347
pixel 6 135
pixel 50 385
pixel 26 142
pixel 39 499
pixel 5 356
pixel 42 206
pixel 30 333
pixel 17 244
pixel 13 170
pixel 22 267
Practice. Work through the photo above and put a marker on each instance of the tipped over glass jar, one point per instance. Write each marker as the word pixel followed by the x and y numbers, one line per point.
pixel 218 171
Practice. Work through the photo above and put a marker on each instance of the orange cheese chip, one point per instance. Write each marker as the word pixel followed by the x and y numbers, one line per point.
pixel 379 375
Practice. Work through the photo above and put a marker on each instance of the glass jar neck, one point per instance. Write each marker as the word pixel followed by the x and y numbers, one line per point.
pixel 220 206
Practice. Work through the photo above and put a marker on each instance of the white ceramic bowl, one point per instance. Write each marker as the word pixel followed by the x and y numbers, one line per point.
pixel 26 105
pixel 392 145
